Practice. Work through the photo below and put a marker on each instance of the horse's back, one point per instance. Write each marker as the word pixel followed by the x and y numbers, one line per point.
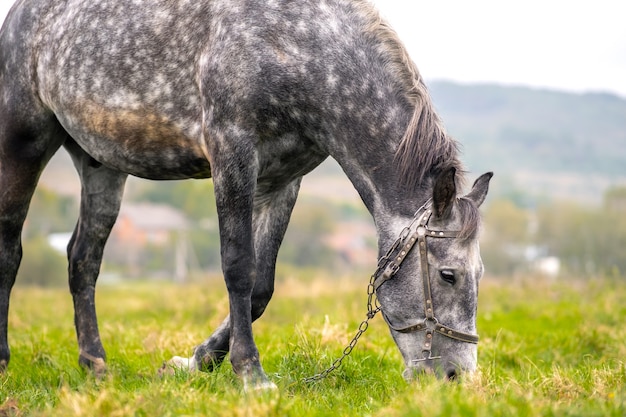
pixel 135 82
pixel 120 77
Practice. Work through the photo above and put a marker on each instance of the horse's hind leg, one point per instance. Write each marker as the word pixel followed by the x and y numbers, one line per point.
pixel 16 188
pixel 24 152
pixel 272 211
pixel 101 196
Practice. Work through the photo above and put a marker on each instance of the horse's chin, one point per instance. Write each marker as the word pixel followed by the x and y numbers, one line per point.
pixel 446 367
pixel 452 373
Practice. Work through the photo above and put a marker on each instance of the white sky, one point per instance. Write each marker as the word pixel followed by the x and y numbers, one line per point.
pixel 573 45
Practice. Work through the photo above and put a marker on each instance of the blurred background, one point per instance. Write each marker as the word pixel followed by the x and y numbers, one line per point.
pixel 533 91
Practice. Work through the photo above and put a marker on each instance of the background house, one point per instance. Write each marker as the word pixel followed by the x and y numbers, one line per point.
pixel 150 237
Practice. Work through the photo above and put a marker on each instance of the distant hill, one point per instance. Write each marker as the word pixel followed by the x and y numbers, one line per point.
pixel 540 143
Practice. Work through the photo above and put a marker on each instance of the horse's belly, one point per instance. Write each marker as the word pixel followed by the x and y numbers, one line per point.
pixel 139 143
pixel 121 79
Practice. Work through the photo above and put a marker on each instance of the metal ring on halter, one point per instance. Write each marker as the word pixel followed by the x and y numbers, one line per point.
pixel 432 320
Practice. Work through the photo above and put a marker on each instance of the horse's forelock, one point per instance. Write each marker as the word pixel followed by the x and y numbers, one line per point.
pixel 470 218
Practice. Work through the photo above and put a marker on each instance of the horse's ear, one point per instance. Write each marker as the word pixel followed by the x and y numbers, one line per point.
pixel 444 192
pixel 480 188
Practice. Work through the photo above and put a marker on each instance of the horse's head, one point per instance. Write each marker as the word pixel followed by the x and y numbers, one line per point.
pixel 427 285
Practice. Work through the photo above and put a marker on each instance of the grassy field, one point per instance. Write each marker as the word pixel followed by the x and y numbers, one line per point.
pixel 546 349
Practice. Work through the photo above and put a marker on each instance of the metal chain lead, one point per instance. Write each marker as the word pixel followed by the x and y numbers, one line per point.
pixel 371 312
pixel 371 300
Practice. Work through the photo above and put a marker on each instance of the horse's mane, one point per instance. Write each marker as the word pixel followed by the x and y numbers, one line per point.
pixel 425 148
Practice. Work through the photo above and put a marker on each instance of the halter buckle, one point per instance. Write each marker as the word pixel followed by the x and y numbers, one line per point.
pixel 427 357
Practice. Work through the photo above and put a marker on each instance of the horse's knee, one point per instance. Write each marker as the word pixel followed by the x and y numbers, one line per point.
pixel 86 248
pixel 260 300
pixel 239 271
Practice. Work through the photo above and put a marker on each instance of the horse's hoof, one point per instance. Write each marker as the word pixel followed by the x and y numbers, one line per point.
pixel 255 380
pixel 259 386
pixel 99 368
pixel 177 364
pixel 96 365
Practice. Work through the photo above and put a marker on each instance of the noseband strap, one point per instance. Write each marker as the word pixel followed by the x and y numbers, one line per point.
pixel 400 250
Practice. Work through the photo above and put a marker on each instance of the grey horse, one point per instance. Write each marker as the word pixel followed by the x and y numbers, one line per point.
pixel 254 94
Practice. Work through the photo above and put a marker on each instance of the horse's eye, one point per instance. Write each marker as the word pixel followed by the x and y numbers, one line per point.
pixel 448 276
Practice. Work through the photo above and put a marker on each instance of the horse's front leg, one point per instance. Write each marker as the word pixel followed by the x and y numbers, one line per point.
pixel 272 211
pixel 234 167
pixel 101 196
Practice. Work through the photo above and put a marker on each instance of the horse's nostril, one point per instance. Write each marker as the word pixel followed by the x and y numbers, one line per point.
pixel 451 374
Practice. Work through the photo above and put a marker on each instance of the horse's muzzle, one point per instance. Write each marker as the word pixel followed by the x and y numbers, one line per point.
pixel 412 373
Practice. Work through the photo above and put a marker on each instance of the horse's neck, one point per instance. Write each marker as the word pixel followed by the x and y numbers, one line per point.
pixel 377 181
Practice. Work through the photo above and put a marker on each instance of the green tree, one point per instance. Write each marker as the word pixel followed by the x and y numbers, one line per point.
pixel 194 198
pixel 304 243
pixel 50 212
pixel 506 234
pixel 615 199
pixel 41 265
pixel 564 230
pixel 588 241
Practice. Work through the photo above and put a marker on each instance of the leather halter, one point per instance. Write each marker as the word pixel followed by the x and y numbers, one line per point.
pixel 405 244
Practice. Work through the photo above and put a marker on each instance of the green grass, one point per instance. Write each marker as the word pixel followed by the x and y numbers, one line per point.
pixel 546 349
